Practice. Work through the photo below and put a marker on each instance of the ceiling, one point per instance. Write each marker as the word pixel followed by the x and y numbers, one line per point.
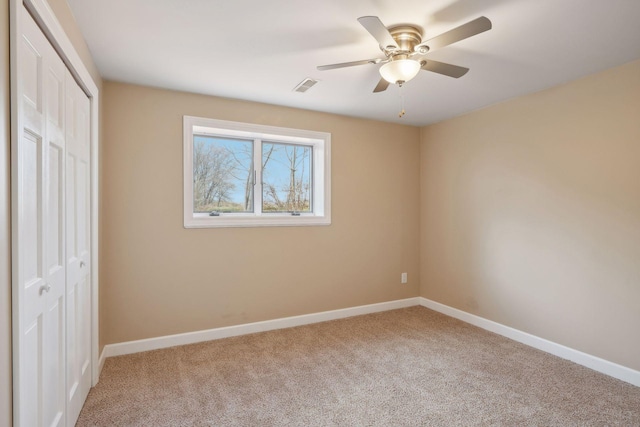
pixel 260 50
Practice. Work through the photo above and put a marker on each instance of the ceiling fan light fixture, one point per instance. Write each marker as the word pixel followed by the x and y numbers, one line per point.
pixel 400 70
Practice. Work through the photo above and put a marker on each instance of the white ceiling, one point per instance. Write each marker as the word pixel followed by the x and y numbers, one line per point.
pixel 260 50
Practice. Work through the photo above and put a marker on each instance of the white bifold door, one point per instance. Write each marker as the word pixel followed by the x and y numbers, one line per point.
pixel 50 167
pixel 78 232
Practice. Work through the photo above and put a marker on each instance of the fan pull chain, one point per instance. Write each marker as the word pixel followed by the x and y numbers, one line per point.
pixel 401 113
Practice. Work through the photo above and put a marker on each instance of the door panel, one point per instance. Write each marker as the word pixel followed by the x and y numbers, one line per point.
pixel 54 218
pixel 39 249
pixel 31 226
pixel 78 243
pixel 54 87
pixel 53 366
pixel 32 345
pixel 51 269
pixel 31 70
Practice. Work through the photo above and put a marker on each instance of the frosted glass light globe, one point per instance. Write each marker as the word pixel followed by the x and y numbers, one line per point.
pixel 400 70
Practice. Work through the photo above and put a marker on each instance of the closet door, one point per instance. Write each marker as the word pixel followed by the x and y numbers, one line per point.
pixel 78 298
pixel 39 352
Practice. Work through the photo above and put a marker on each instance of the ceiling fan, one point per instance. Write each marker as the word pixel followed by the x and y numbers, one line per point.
pixel 404 49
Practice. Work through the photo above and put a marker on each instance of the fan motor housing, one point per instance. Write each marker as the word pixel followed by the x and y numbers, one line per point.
pixel 406 36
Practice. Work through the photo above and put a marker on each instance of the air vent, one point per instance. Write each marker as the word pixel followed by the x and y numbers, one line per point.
pixel 305 85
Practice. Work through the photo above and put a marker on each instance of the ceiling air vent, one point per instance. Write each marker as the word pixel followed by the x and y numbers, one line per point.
pixel 305 85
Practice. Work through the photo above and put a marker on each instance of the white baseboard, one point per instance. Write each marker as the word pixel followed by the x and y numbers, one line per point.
pixel 250 328
pixel 597 364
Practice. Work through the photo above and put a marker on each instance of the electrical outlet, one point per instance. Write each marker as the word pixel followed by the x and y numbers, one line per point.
pixel 403 278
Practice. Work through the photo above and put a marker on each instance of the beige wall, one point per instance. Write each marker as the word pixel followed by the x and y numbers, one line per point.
pixel 530 214
pixel 5 222
pixel 159 278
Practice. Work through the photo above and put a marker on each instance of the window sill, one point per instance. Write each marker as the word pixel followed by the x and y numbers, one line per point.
pixel 256 221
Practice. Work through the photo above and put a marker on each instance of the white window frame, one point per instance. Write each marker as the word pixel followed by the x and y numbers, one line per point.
pixel 321 158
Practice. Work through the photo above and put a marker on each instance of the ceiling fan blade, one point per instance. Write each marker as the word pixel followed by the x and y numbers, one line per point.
pixel 348 64
pixel 382 86
pixel 445 69
pixel 462 32
pixel 377 29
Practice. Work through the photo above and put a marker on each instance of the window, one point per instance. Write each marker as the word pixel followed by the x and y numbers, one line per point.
pixel 245 175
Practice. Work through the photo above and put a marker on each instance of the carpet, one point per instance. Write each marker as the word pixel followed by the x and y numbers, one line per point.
pixel 407 367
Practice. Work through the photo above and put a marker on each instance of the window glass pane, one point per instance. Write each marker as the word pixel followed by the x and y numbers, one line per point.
pixel 222 174
pixel 286 177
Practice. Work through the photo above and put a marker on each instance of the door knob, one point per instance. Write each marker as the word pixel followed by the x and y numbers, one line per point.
pixel 82 264
pixel 44 288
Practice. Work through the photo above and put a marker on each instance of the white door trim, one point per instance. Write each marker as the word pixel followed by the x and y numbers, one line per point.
pixel 46 19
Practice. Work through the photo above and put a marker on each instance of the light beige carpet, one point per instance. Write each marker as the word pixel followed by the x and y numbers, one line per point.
pixel 408 367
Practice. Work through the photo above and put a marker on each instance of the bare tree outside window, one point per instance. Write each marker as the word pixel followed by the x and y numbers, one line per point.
pixel 250 175
pixel 222 175
pixel 286 177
